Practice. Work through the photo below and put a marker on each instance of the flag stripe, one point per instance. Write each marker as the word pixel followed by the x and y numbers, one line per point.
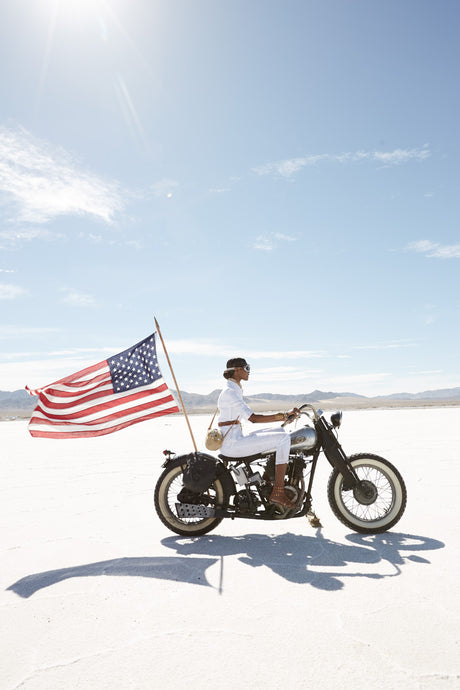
pixel 68 392
pixel 127 403
pixel 41 421
pixel 52 402
pixel 68 380
pixel 106 396
pixel 85 432
pixel 40 418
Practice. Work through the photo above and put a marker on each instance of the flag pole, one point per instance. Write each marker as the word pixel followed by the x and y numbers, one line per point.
pixel 177 387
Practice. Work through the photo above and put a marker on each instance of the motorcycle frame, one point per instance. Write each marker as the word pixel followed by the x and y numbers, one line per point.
pixel 326 442
pixel 270 509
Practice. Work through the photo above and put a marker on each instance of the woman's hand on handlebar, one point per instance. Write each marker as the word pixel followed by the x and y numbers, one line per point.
pixel 291 416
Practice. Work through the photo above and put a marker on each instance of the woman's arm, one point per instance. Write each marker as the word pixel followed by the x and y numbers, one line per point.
pixel 277 417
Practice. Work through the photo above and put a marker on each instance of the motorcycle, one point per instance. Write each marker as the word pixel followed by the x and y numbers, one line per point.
pixel 365 491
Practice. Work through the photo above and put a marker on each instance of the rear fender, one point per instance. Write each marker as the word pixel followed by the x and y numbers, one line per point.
pixel 223 473
pixel 226 479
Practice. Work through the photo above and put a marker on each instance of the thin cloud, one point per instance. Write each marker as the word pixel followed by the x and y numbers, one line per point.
pixel 284 374
pixel 388 345
pixel 10 331
pixel 77 299
pixel 95 352
pixel 10 239
pixel 164 188
pixel 44 183
pixel 429 372
pixel 286 354
pixel 219 190
pixel 110 241
pixel 263 243
pixel 284 238
pixel 429 314
pixel 399 156
pixel 267 243
pixel 212 349
pixel 433 250
pixel 39 372
pixel 9 291
pixel 354 381
pixel 287 168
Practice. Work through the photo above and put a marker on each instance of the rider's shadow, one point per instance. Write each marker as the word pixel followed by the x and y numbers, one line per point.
pixel 317 561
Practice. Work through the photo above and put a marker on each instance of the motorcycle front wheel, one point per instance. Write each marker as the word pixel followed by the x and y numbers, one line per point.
pixel 377 503
pixel 168 486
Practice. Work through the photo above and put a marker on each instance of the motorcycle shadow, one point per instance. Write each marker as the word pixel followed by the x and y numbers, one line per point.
pixel 318 561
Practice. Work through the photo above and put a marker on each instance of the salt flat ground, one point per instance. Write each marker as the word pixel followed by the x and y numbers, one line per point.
pixel 96 593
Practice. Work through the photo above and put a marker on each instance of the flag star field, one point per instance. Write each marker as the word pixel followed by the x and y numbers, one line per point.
pixel 136 366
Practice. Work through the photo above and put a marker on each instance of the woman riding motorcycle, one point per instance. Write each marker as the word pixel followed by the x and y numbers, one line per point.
pixel 233 409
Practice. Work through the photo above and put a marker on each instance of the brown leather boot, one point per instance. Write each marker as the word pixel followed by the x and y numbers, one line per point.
pixel 278 497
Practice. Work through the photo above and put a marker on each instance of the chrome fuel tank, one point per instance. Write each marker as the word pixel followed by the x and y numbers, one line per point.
pixel 304 438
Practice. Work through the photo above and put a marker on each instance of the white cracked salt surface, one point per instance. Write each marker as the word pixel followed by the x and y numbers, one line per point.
pixel 96 593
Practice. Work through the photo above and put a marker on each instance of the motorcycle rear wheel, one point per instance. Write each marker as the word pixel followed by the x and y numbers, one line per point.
pixel 377 503
pixel 168 486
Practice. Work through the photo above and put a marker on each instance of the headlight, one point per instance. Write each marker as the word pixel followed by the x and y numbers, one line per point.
pixel 336 419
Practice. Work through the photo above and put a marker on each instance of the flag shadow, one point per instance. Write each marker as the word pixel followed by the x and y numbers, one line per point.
pixel 183 569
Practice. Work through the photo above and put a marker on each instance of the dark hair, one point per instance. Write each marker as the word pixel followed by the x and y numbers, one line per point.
pixel 231 366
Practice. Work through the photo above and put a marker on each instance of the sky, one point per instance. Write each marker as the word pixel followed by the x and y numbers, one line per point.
pixel 273 179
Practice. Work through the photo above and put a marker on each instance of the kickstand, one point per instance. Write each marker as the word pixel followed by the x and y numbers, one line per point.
pixel 313 519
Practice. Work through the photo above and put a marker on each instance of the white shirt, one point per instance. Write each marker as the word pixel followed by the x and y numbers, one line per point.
pixel 231 404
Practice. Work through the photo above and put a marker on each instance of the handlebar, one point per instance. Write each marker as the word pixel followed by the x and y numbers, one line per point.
pixel 315 413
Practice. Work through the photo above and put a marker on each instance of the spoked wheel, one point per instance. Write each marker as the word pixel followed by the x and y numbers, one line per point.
pixel 168 486
pixel 376 503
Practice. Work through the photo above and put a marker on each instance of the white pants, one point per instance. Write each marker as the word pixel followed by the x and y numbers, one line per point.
pixel 236 445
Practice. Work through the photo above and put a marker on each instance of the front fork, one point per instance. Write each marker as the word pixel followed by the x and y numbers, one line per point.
pixel 335 455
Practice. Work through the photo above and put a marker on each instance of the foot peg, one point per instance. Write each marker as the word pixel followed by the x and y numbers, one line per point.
pixel 189 510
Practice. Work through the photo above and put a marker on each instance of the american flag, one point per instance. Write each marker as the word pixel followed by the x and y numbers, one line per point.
pixel 106 397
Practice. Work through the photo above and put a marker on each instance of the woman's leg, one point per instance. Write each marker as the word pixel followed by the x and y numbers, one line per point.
pixel 258 442
pixel 278 440
pixel 281 459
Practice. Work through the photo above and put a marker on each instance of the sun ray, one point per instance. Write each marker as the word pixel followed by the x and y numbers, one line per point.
pixel 128 109
pixel 49 41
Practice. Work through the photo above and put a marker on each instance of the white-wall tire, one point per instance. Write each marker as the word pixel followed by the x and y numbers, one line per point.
pixel 386 500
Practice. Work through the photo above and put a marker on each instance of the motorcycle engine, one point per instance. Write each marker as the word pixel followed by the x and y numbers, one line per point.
pixel 245 503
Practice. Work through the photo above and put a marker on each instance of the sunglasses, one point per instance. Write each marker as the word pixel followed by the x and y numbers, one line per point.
pixel 246 368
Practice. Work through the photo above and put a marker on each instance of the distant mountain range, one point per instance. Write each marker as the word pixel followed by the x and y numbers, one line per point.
pixel 19 403
pixel 196 402
pixel 263 401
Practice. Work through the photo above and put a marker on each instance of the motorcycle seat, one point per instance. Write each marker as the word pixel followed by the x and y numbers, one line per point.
pixel 246 458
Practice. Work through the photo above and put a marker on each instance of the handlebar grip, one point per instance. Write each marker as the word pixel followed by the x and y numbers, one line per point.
pixel 289 419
